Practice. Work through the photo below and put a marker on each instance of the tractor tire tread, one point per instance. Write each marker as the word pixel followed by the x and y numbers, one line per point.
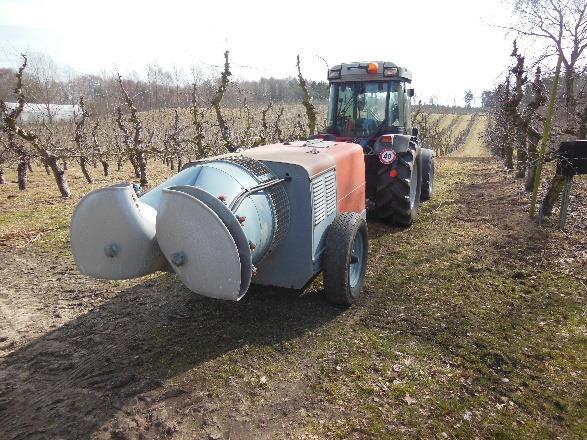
pixel 393 196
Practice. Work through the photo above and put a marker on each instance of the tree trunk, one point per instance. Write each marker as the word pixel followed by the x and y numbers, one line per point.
pixel 533 140
pixel 141 161
pixel 64 164
pixel 522 154
pixel 119 164
pixel 1 176
pixel 554 190
pixel 105 166
pixel 570 99
pixel 135 165
pixel 59 175
pixel 21 172
pixel 29 165
pixel 508 150
pixel 83 162
pixel 179 164
pixel 171 164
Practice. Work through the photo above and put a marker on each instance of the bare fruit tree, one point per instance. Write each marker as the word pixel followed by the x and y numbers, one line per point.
pixel 81 141
pixel 307 101
pixel 133 139
pixel 44 147
pixel 264 133
pixel 173 141
pixel 225 133
pixel 197 118
pixel 99 150
pixel 527 136
pixel 562 24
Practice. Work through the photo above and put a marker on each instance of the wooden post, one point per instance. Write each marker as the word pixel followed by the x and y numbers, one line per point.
pixel 545 135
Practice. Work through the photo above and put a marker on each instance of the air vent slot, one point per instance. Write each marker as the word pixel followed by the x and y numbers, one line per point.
pixel 324 196
pixel 330 185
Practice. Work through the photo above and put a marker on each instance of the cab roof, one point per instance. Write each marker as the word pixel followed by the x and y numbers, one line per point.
pixel 365 71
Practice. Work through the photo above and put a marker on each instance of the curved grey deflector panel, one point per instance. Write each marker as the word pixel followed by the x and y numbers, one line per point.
pixel 233 226
pixel 199 246
pixel 113 235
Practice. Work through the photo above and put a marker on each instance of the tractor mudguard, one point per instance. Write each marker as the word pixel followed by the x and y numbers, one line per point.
pixel 401 143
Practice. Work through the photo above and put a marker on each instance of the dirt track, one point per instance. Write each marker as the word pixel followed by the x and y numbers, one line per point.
pixel 467 345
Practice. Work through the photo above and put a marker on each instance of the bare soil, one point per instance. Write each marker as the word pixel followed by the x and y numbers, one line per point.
pixel 472 324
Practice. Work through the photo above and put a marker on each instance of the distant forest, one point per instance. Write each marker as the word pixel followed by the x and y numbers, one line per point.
pixel 160 89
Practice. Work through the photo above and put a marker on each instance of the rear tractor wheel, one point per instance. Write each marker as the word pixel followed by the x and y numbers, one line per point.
pixel 399 189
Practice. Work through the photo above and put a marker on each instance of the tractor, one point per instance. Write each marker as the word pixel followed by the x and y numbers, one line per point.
pixel 275 215
pixel 370 105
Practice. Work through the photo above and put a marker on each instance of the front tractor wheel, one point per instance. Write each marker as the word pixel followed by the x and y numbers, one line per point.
pixel 345 258
pixel 399 189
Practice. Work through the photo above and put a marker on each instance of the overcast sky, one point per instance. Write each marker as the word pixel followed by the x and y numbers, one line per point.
pixel 449 45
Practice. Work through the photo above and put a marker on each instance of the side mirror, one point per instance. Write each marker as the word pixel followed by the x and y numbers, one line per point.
pixel 411 93
pixel 415 132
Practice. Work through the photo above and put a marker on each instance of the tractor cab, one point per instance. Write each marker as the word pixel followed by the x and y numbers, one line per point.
pixel 370 105
pixel 368 100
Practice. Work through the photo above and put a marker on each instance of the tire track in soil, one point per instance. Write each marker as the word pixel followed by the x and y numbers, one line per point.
pixel 66 375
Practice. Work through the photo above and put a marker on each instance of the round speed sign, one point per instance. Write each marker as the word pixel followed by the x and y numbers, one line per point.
pixel 387 157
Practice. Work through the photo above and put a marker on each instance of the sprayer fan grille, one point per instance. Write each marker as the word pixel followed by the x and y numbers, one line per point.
pixel 257 169
pixel 276 194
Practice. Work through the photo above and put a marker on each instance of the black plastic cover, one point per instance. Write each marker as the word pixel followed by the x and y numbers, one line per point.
pixel 573 158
